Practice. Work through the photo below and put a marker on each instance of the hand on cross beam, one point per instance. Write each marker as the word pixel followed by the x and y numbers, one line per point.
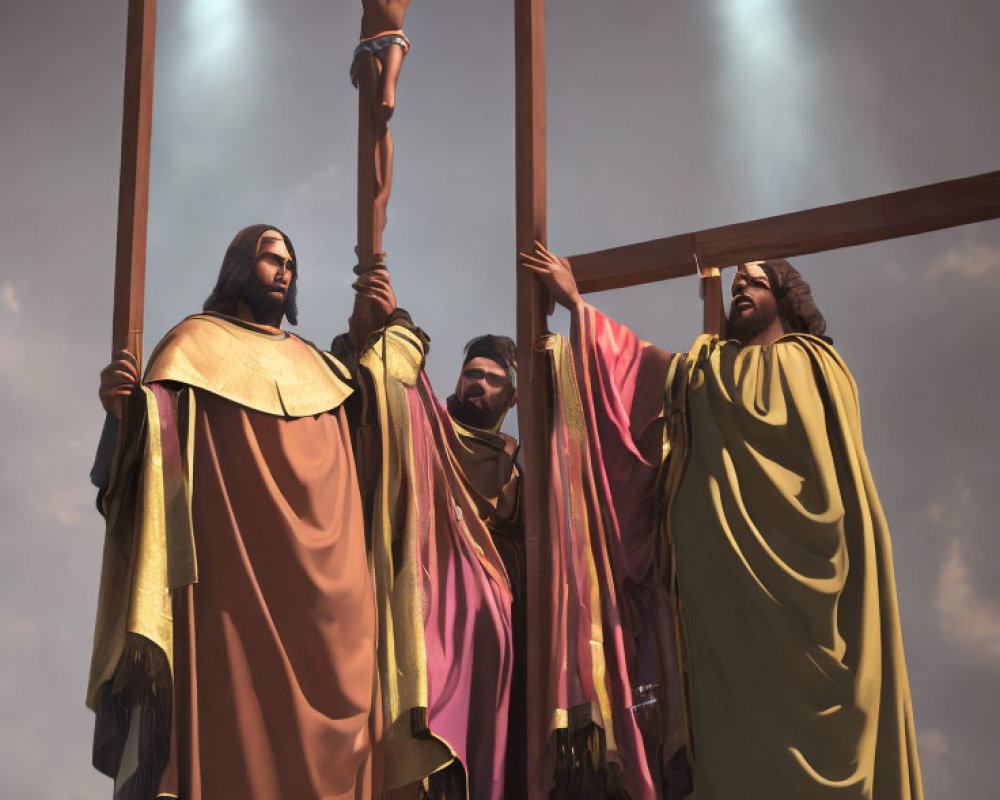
pixel 555 273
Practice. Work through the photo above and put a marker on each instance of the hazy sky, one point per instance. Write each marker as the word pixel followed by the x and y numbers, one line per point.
pixel 664 117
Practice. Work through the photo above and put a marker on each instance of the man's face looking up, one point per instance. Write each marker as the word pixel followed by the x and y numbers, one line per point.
pixel 267 290
pixel 484 393
pixel 753 309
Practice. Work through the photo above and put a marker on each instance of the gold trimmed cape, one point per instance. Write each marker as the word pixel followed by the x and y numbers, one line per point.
pixel 149 546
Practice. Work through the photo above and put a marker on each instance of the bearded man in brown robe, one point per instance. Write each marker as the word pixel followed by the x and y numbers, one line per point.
pixel 234 652
pixel 741 570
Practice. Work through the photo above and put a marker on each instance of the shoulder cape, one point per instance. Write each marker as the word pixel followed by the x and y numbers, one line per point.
pixel 277 373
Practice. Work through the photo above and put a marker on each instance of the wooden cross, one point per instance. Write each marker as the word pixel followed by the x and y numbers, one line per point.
pixel 889 216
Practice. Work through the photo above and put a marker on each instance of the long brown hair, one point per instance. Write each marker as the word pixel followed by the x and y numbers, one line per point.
pixel 237 268
pixel 793 297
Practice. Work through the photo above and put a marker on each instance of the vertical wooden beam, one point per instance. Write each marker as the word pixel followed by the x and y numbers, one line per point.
pixel 533 378
pixel 367 79
pixel 133 186
pixel 713 306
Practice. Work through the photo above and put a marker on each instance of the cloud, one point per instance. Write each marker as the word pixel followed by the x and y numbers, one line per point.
pixel 19 634
pixel 68 517
pixel 969 260
pixel 9 295
pixel 971 621
pixel 935 762
pixel 317 190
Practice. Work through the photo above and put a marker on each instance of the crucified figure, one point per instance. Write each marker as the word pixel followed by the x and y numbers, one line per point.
pixel 375 71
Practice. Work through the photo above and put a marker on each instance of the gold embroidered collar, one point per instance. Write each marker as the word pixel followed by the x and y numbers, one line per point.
pixel 259 368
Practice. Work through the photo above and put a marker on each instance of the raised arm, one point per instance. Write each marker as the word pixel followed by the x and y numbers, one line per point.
pixel 374 303
pixel 625 375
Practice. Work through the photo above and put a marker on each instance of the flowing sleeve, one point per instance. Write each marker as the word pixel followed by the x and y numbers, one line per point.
pixel 613 676
pixel 621 380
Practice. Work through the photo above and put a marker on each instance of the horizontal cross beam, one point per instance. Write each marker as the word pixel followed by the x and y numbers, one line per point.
pixel 873 219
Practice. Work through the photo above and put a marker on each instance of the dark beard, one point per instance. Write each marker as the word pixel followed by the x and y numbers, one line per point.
pixel 745 328
pixel 265 308
pixel 471 414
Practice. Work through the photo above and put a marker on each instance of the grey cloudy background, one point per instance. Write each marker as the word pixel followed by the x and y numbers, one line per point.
pixel 663 117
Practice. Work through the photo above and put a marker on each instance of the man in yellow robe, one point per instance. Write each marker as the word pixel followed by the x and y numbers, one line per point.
pixel 771 540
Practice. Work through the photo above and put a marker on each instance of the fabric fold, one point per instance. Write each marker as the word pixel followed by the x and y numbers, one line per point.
pixel 443 596
pixel 614 662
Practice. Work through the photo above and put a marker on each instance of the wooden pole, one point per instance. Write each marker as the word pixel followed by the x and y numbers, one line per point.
pixel 872 219
pixel 713 306
pixel 534 388
pixel 367 79
pixel 133 186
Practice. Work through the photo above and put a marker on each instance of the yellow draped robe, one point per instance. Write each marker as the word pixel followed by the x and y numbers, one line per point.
pixel 776 552
pixel 798 686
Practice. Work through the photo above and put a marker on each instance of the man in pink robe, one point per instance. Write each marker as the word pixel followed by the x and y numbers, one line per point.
pixel 447 554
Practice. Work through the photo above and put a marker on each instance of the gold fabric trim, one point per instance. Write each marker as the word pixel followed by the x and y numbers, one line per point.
pixel 277 374
pixel 134 596
pixel 394 361
pixel 569 405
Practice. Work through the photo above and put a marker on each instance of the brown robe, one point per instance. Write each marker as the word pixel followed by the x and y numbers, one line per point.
pixel 274 647
pixel 273 629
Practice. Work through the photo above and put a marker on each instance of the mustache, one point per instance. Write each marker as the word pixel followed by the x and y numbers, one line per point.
pixel 474 392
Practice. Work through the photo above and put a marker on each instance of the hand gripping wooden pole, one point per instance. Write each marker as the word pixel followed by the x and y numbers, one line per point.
pixel 534 387
pixel 133 187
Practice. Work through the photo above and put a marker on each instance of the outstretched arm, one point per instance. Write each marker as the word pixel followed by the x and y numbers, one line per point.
pixel 629 369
